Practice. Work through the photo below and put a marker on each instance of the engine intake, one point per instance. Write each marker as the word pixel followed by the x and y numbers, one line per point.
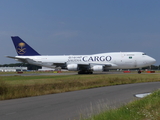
pixel 98 68
pixel 72 67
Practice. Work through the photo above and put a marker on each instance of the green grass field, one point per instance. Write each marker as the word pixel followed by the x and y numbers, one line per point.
pixel 24 86
pixel 143 109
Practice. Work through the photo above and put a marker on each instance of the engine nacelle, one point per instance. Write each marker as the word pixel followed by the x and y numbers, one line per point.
pixel 72 67
pixel 98 68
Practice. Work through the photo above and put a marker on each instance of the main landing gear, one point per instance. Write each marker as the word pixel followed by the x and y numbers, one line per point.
pixel 85 72
pixel 139 71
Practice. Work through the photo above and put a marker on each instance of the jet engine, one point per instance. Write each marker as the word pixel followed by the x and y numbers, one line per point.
pixel 72 67
pixel 98 68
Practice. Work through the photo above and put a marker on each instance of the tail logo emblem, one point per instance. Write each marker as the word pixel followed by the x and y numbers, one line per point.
pixel 20 49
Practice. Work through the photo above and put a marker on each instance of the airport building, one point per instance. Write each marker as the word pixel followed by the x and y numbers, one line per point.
pixel 12 69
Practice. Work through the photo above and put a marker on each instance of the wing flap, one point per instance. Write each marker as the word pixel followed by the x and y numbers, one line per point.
pixel 62 65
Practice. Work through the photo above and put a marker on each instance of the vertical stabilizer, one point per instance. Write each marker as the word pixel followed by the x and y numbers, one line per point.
pixel 22 48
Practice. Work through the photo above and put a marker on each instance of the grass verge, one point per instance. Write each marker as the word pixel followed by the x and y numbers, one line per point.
pixel 143 109
pixel 25 86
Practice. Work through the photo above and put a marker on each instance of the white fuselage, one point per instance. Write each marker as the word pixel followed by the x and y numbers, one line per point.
pixel 113 60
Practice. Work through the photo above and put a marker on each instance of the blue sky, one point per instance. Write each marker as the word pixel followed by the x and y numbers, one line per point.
pixel 70 27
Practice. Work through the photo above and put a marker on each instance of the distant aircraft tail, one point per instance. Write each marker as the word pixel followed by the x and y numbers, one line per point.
pixel 22 48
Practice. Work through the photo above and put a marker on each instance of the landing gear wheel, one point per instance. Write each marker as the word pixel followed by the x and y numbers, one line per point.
pixel 80 72
pixel 90 72
pixel 139 72
pixel 85 72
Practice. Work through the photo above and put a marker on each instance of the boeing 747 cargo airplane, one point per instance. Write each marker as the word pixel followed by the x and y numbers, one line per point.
pixel 81 63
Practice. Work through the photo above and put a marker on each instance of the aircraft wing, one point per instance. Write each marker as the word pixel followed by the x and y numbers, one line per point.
pixel 61 65
pixel 19 59
pixel 39 63
pixel 26 60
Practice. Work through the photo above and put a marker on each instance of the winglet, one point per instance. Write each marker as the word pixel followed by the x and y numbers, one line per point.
pixel 22 48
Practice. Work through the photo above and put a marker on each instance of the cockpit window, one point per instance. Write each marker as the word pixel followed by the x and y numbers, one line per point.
pixel 144 54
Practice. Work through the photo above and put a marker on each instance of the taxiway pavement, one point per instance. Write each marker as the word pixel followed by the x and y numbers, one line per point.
pixel 72 105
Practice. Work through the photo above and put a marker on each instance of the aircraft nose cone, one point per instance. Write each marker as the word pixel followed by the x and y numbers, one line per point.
pixel 152 60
